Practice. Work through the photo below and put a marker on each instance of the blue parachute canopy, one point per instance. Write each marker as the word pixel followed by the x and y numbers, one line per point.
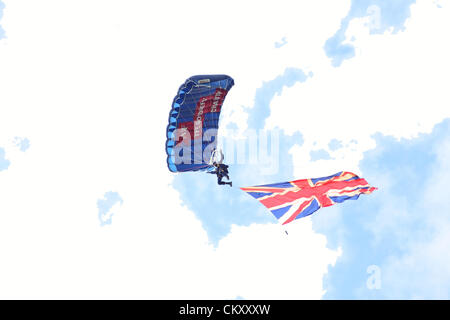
pixel 194 121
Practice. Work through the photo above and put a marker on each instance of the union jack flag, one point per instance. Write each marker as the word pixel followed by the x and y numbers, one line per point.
pixel 297 199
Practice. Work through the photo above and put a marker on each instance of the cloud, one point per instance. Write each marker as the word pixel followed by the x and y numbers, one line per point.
pixel 90 83
pixel 22 143
pixel 422 270
pixel 320 154
pixel 219 208
pixel 2 32
pixel 402 228
pixel 380 16
pixel 372 92
pixel 105 207
pixel 260 251
pixel 91 87
pixel 4 163
pixel 368 98
pixel 281 43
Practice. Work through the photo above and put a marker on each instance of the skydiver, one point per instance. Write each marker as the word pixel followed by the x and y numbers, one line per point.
pixel 221 171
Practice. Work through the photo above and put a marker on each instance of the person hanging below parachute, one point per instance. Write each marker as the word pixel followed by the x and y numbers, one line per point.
pixel 191 143
pixel 221 172
pixel 220 169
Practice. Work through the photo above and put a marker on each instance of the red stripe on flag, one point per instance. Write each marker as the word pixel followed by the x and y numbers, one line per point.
pixel 318 191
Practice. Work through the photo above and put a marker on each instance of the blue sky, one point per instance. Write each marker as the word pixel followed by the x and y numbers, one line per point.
pixel 392 14
pixel 218 224
pixel 4 163
pixel 22 143
pixel 281 43
pixel 295 81
pixel 2 31
pixel 105 206
pixel 219 209
pixel 389 224
pixel 377 230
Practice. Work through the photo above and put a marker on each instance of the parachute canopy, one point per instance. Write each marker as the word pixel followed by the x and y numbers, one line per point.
pixel 194 121
pixel 297 199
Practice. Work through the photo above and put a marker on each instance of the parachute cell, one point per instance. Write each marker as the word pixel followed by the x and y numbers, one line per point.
pixel 194 121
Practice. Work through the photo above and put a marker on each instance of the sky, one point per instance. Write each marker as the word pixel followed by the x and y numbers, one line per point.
pixel 88 208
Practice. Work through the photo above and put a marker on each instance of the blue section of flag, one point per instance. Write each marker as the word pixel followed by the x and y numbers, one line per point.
pixel 315 180
pixel 257 195
pixel 343 198
pixel 313 207
pixel 278 185
pixel 278 213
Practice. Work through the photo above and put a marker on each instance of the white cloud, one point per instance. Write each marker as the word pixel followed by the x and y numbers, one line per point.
pixel 396 85
pixel 264 256
pixel 423 272
pixel 90 84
